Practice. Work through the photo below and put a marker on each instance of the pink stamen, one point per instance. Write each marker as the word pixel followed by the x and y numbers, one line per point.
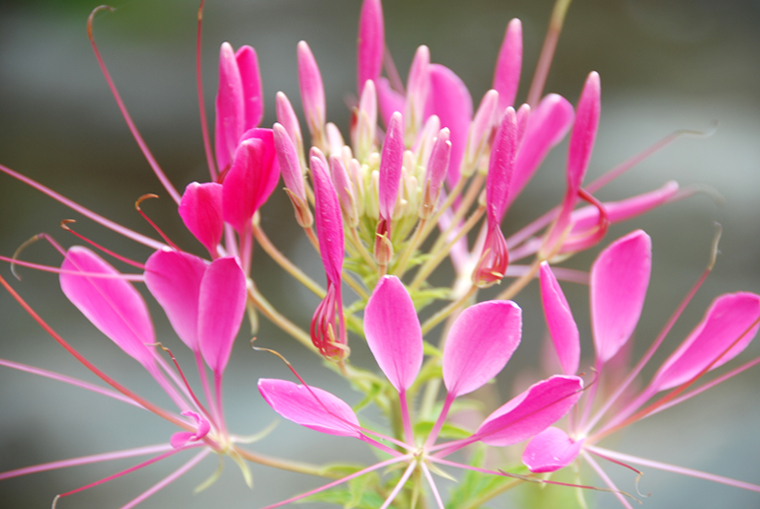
pixel 68 380
pixel 201 102
pixel 606 479
pixel 65 225
pixel 189 390
pixel 399 485
pixel 676 469
pixel 121 230
pixel 441 419
pixel 408 433
pixel 169 479
pixel 141 401
pixel 433 487
pixel 139 278
pixel 133 129
pixel 86 460
pixel 150 222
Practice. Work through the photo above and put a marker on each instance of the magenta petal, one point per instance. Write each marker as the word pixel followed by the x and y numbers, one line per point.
pixel 587 217
pixel 718 336
pixel 506 77
pixel 230 108
pixel 417 90
pixel 501 166
pixel 311 407
pixel 559 319
pixel 253 95
pixel 201 211
pixel 174 279
pixel 618 284
pixel 290 166
pixel 528 414
pixel 584 132
pixel 391 161
pixel 388 100
pixel 449 98
pixel 221 306
pixel 312 89
pixel 546 126
pixel 370 44
pixel 113 305
pixel 479 344
pixel 329 220
pixel 252 178
pixel 393 332
pixel 550 450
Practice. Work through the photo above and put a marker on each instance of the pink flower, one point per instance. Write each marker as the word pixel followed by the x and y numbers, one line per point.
pixel 479 344
pixel 618 284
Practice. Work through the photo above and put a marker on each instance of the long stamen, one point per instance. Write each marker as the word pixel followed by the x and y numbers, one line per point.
pixel 65 225
pixel 184 380
pixel 606 479
pixel 201 102
pixel 142 402
pixel 547 52
pixel 29 242
pixel 399 485
pixel 68 380
pixel 86 460
pixel 433 487
pixel 133 129
pixel 155 227
pixel 121 230
pixel 139 278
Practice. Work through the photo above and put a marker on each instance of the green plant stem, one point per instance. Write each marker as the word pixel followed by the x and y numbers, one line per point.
pixel 279 320
pixel 520 282
pixel 410 248
pixel 443 313
pixel 472 192
pixel 290 466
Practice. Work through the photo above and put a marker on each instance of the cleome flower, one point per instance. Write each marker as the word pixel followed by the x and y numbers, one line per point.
pixel 618 284
pixel 479 344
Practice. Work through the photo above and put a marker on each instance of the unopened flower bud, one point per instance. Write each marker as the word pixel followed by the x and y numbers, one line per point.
pixel 344 189
pixel 334 139
pixel 312 94
pixel 435 173
pixel 480 131
pixel 287 117
pixel 416 93
pixel 291 174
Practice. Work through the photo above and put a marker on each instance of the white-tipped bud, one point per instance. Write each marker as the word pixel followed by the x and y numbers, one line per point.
pixel 287 117
pixel 425 140
pixel 416 94
pixel 435 173
pixel 334 139
pixel 345 191
pixel 480 132
pixel 366 122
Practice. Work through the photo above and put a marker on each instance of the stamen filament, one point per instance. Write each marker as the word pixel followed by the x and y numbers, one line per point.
pixel 65 225
pixel 201 101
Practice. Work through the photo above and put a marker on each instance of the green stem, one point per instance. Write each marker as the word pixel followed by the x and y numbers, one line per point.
pixel 547 51
pixel 443 313
pixel 290 466
pixel 275 317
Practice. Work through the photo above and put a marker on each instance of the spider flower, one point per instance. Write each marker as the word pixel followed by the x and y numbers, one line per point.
pixel 479 345
pixel 618 284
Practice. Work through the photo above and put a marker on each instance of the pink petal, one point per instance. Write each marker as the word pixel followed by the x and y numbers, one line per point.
pixel 230 108
pixel 528 414
pixel 479 344
pixel 311 407
pixel 252 178
pixel 253 95
pixel 506 77
pixel 449 98
pixel 329 221
pixel 417 90
pixel 287 156
pixel 587 217
pixel 174 279
pixel 393 332
pixel 551 450
pixel 584 132
pixel 388 99
pixel 183 437
pixel 728 317
pixel 312 89
pixel 370 44
pixel 546 126
pixel 287 117
pixel 559 319
pixel 113 305
pixel 201 211
pixel 618 284
pixel 344 190
pixel 437 165
pixel 501 166
pixel 480 129
pixel 391 161
pixel 221 306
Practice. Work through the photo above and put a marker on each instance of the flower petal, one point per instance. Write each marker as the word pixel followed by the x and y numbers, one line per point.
pixel 393 332
pixel 528 414
pixel 230 108
pixel 201 211
pixel 329 220
pixel 370 44
pixel 559 319
pixel 253 95
pixel 618 285
pixel 174 279
pixel 506 77
pixel 449 98
pixel 546 126
pixel 287 157
pixel 221 306
pixel 391 161
pixel 551 450
pixel 725 321
pixel 501 165
pixel 389 100
pixel 479 344
pixel 312 89
pixel 113 305
pixel 584 132
pixel 310 407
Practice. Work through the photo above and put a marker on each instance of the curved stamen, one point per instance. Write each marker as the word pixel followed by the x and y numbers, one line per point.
pixel 201 102
pixel 65 225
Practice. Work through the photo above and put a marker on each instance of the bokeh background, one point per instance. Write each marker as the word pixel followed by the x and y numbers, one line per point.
pixel 665 65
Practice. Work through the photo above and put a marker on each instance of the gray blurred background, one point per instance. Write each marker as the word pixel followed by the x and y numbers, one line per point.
pixel 665 65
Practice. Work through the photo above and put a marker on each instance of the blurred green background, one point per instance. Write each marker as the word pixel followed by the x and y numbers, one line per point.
pixel 665 65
